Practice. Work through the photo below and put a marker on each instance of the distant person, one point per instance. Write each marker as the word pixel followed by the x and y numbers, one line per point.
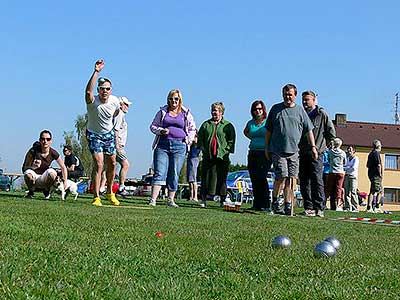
pixel 311 169
pixel 351 180
pixel 286 124
pixel 101 110
pixel 375 175
pixel 337 161
pixel 216 140
pixel 257 163
pixel 121 131
pixel 191 169
pixel 73 163
pixel 175 129
pixel 37 169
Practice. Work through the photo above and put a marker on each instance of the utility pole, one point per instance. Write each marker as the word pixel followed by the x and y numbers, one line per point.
pixel 396 109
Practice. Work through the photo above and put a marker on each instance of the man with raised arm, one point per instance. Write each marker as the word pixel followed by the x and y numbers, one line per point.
pixel 101 110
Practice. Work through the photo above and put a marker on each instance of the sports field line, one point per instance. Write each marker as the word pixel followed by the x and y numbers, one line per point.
pixel 128 206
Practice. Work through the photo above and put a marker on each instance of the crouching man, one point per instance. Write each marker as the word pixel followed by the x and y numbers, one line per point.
pixel 37 166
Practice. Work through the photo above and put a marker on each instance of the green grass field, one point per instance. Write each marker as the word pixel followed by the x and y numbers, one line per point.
pixel 72 250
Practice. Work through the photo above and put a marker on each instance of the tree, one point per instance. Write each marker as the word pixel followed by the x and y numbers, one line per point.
pixel 237 167
pixel 79 143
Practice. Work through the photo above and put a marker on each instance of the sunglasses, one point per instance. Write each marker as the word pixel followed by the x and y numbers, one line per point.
pixel 173 98
pixel 101 88
pixel 45 139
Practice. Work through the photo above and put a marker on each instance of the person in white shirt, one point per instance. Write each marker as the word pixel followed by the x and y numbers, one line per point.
pixel 351 180
pixel 121 131
pixel 100 133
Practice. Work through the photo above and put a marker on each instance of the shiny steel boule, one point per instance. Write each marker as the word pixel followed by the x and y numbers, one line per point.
pixel 334 241
pixel 281 241
pixel 324 249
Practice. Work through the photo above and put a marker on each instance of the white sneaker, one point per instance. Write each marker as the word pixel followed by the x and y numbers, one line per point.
pixel 370 211
pixel 152 202
pixel 203 204
pixel 339 209
pixel 171 203
pixel 377 210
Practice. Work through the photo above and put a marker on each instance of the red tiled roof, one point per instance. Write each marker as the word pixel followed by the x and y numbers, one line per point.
pixel 363 134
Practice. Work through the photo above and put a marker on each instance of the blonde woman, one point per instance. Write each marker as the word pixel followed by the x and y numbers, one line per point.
pixel 175 130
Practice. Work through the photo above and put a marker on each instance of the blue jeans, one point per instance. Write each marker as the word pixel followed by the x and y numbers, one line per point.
pixel 168 159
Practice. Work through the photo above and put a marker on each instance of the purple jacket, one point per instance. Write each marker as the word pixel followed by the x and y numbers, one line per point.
pixel 190 126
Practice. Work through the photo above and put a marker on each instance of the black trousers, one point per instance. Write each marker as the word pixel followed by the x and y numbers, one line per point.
pixel 311 181
pixel 213 177
pixel 259 166
pixel 75 174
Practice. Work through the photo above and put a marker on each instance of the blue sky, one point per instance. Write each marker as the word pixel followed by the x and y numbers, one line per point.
pixel 346 51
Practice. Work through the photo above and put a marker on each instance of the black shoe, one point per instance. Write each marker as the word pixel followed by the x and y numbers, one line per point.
pixel 288 209
pixel 29 195
pixel 46 194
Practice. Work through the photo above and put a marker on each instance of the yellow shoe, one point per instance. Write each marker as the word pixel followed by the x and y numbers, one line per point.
pixel 112 198
pixel 96 201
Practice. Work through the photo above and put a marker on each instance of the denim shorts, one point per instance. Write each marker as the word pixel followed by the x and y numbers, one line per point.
pixel 101 143
pixel 168 159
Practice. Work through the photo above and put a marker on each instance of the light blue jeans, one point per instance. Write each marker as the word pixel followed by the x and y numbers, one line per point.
pixel 168 159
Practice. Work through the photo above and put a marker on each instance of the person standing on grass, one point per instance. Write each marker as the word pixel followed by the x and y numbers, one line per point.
pixel 73 163
pixel 310 169
pixel 286 124
pixel 175 129
pixel 257 163
pixel 191 169
pixel 350 180
pixel 101 110
pixel 375 175
pixel 337 160
pixel 37 169
pixel 216 140
pixel 121 131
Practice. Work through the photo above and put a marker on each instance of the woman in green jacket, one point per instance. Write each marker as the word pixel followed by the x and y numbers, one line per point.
pixel 216 138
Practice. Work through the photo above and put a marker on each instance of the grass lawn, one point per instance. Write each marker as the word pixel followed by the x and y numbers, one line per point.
pixel 72 250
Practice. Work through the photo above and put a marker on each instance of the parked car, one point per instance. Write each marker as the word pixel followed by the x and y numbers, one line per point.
pixel 243 175
pixel 5 182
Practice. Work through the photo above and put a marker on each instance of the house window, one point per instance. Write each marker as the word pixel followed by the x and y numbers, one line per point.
pixel 392 195
pixel 392 161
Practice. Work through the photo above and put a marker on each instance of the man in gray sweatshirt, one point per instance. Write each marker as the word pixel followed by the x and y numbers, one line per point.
pixel 311 170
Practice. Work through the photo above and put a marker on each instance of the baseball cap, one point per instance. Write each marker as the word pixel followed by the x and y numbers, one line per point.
pixel 124 100
pixel 102 80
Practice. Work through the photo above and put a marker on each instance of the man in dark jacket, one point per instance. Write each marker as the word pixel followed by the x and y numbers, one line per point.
pixel 311 170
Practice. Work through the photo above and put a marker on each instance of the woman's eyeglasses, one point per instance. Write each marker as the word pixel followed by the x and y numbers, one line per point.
pixel 257 108
pixel 173 98
pixel 45 139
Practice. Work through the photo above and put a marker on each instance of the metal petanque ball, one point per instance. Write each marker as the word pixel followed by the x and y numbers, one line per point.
pixel 324 249
pixel 334 241
pixel 281 241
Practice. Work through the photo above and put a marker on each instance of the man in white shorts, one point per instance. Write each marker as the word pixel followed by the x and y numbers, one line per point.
pixel 121 132
pixel 37 169
pixel 101 110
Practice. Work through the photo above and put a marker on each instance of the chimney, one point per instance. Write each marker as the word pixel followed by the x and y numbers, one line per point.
pixel 340 120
